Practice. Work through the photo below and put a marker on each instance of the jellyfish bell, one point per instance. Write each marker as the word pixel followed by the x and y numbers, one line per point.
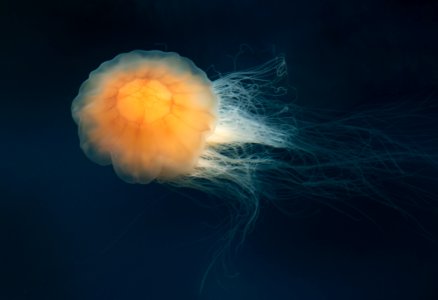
pixel 147 113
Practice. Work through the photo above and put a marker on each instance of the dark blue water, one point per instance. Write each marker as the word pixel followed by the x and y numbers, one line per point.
pixel 70 229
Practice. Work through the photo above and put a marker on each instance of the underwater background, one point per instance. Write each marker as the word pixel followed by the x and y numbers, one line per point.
pixel 70 229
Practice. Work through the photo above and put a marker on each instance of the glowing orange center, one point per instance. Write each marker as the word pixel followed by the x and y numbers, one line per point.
pixel 143 100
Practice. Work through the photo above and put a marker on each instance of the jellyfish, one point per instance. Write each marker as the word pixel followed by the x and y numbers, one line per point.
pixel 155 116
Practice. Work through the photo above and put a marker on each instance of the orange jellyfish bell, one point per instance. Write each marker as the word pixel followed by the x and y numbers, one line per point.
pixel 147 113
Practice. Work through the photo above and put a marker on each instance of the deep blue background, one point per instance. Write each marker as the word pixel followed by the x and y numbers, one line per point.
pixel 70 229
